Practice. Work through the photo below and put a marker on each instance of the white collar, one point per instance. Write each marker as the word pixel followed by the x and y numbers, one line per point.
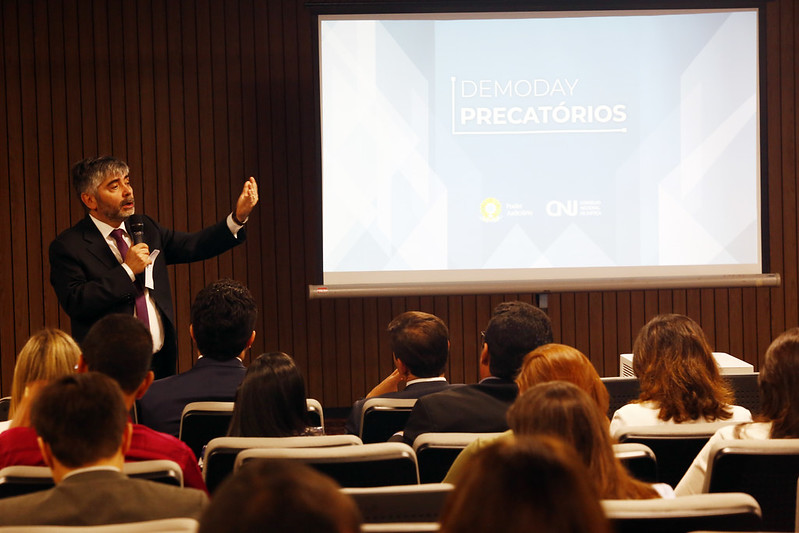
pixel 105 229
pixel 425 380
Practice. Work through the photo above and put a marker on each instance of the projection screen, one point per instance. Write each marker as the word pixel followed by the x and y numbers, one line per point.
pixel 499 152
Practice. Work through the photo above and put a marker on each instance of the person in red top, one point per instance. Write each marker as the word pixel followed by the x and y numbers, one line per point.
pixel 120 347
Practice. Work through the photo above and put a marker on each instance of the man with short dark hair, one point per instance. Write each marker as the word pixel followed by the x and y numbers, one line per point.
pixel 83 429
pixel 515 329
pixel 420 347
pixel 120 347
pixel 222 325
pixel 110 263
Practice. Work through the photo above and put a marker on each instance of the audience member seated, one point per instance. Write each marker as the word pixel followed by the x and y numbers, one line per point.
pixel 280 497
pixel 271 400
pixel 82 421
pixel 120 347
pixel 48 354
pixel 420 347
pixel 515 329
pixel 680 380
pixel 527 484
pixel 550 362
pixel 563 410
pixel 222 326
pixel 779 396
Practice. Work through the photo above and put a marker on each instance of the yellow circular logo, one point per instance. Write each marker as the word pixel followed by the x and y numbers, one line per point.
pixel 490 209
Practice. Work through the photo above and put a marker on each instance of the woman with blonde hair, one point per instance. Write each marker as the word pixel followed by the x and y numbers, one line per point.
pixel 779 399
pixel 48 354
pixel 680 380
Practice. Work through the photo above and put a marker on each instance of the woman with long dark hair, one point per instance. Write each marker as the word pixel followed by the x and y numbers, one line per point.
pixel 270 402
pixel 779 399
pixel 563 410
pixel 680 380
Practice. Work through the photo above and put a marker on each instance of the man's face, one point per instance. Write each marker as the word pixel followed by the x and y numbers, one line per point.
pixel 113 202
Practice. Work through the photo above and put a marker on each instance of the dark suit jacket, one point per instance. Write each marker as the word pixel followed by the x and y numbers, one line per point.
pixel 208 381
pixel 91 283
pixel 414 390
pixel 478 408
pixel 102 497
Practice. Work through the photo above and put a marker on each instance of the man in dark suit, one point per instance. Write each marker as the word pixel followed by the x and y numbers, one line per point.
pixel 516 329
pixel 84 433
pixel 98 267
pixel 420 347
pixel 222 325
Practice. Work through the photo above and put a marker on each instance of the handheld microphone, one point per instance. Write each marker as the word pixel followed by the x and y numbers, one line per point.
pixel 137 230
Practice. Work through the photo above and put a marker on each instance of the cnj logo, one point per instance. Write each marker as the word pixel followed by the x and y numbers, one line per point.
pixel 490 209
pixel 556 208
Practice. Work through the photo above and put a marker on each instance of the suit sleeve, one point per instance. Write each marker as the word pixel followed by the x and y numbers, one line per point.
pixel 182 247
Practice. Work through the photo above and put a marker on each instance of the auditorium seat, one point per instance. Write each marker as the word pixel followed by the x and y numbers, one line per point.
pixel 20 479
pixel 167 525
pixel 675 445
pixel 622 390
pixel 746 390
pixel 382 417
pixel 5 404
pixel 369 465
pixel 401 503
pixel 220 454
pixel 202 421
pixel 639 459
pixel 435 452
pixel 714 512
pixel 402 527
pixel 766 469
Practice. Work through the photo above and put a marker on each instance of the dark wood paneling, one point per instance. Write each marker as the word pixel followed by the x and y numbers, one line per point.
pixel 197 95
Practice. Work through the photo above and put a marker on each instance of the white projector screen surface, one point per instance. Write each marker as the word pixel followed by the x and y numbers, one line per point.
pixel 539 146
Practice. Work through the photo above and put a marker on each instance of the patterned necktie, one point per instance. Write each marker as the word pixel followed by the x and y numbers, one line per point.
pixel 141 303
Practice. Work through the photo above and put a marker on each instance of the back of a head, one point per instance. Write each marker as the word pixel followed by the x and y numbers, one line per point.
pixel 48 354
pixel 675 366
pixel 421 341
pixel 120 347
pixel 271 401
pixel 515 329
pixel 525 484
pixel 82 417
pixel 779 385
pixel 223 318
pixel 553 362
pixel 280 497
pixel 563 410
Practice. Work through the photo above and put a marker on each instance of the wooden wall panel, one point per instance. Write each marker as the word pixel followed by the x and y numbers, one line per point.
pixel 197 95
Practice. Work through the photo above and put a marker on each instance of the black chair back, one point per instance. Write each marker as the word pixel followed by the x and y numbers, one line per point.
pixel 622 391
pixel 767 470
pixel 746 389
pixel 383 417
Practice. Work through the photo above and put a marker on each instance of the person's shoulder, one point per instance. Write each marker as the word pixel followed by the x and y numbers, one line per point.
pixel 145 438
pixel 740 413
pixel 18 435
pixel 73 233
